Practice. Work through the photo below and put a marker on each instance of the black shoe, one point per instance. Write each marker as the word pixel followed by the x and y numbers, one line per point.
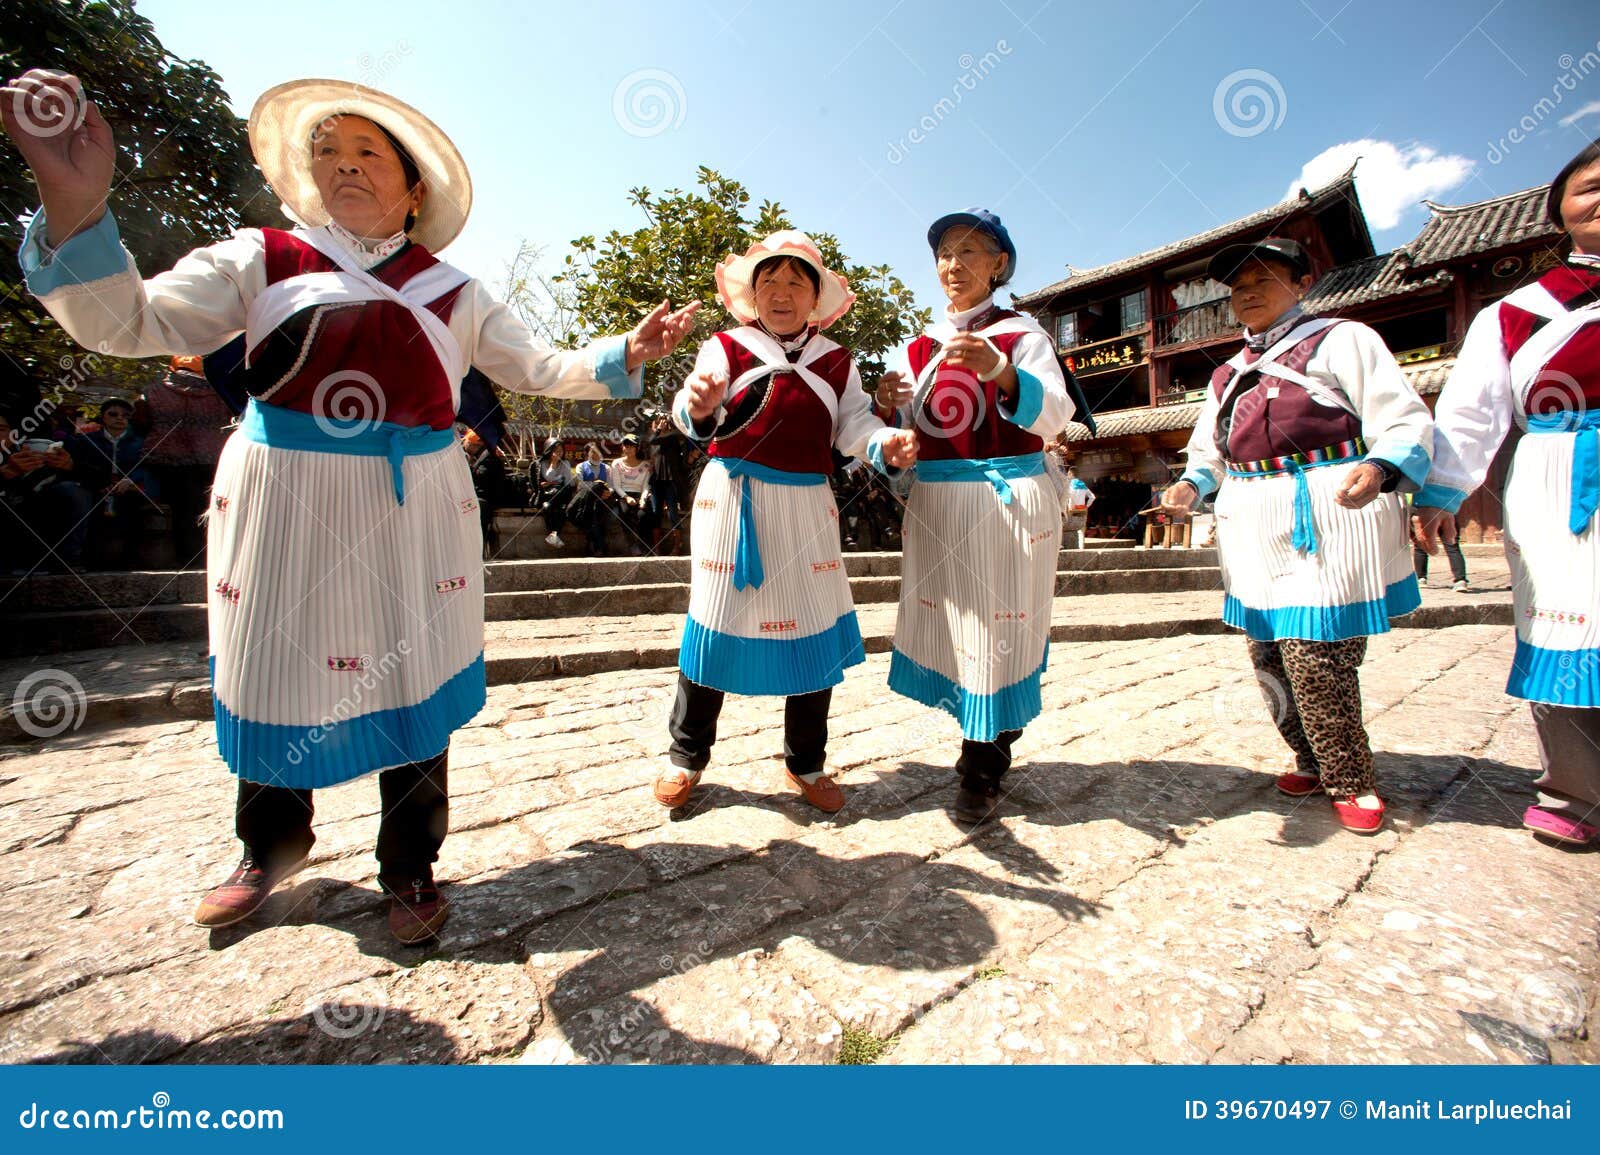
pixel 976 802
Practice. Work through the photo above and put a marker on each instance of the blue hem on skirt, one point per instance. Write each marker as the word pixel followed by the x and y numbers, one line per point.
pixel 1557 677
pixel 310 756
pixel 1325 623
pixel 982 716
pixel 770 666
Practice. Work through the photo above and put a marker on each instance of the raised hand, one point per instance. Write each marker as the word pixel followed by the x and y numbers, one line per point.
pixel 706 391
pixel 67 144
pixel 660 333
pixel 1179 499
pixel 894 390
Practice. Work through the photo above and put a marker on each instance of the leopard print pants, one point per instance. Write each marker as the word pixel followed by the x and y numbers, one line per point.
pixel 1314 694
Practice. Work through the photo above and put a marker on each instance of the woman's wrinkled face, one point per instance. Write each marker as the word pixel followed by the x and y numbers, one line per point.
pixel 784 298
pixel 360 176
pixel 968 263
pixel 1263 291
pixel 1580 209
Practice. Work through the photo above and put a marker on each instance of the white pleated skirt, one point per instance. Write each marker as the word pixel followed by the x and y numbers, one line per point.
pixel 1360 576
pixel 346 628
pixel 976 587
pixel 1555 578
pixel 795 633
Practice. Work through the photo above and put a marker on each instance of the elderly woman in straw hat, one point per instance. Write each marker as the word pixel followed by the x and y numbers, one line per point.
pixel 984 390
pixel 346 616
pixel 769 604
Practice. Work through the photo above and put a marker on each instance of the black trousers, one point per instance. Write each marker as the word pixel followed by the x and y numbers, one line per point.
pixel 983 764
pixel 694 727
pixel 274 822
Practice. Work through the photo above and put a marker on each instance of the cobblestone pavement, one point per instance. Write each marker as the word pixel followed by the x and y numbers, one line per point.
pixel 1146 895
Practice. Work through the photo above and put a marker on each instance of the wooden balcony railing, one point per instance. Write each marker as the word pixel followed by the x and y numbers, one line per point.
pixel 1202 322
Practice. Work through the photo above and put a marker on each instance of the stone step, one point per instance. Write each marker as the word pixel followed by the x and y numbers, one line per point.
pixel 178 587
pixel 46 630
pixel 168 680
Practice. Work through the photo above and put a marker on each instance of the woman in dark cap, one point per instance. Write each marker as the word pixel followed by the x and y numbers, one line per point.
pixel 984 389
pixel 1534 359
pixel 1316 432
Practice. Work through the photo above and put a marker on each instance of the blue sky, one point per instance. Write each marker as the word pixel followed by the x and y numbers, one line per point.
pixel 1095 130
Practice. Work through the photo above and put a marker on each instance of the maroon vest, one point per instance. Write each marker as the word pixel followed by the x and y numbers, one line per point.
pixel 778 421
pixel 1256 425
pixel 1570 380
pixel 959 418
pixel 380 340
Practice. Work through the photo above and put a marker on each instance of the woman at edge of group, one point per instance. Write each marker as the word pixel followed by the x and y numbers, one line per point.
pixel 770 611
pixel 1310 431
pixel 332 539
pixel 983 389
pixel 1534 358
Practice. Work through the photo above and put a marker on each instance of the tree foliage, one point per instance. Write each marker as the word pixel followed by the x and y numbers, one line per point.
pixel 609 284
pixel 184 178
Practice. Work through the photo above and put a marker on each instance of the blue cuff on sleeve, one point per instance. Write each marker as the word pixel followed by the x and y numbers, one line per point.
pixel 875 453
pixel 1439 497
pixel 92 255
pixel 1028 403
pixel 688 424
pixel 1202 479
pixel 611 368
pixel 1410 460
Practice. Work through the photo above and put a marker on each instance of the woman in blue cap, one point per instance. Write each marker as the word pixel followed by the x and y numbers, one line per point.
pixel 983 389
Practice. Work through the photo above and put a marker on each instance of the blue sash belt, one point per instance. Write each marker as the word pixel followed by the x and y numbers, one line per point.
pixel 291 429
pixel 994 470
pixel 747 568
pixel 1585 461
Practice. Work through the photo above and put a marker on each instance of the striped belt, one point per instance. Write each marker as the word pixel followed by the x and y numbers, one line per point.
pixel 1304 537
pixel 1293 462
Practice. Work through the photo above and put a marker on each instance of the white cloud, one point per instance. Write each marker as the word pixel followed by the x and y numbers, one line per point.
pixel 1592 107
pixel 1390 178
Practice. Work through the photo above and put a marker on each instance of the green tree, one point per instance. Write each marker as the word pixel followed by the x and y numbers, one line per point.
pixel 612 282
pixel 185 176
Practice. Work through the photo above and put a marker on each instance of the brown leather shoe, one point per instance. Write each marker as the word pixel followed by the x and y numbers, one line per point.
pixel 246 889
pixel 674 785
pixel 823 792
pixel 976 802
pixel 417 911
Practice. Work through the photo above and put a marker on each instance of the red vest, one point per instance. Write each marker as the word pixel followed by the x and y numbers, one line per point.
pixel 380 340
pixel 1570 380
pixel 778 421
pixel 1260 425
pixel 959 418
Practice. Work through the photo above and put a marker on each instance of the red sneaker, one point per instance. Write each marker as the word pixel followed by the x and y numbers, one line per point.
pixel 1358 818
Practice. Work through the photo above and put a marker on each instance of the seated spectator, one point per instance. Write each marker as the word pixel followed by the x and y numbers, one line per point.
pixel 554 487
pixel 591 510
pixel 110 484
pixel 630 480
pixel 39 520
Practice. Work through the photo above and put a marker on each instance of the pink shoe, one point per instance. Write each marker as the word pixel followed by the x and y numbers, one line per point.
pixel 1558 827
